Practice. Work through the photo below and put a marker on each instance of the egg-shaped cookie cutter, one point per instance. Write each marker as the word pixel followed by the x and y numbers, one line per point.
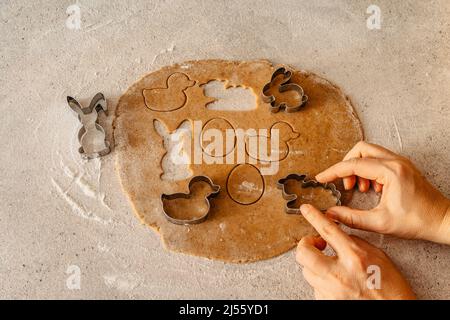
pixel 305 182
pixel 215 191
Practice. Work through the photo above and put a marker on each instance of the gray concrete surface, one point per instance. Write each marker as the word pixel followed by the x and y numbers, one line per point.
pixel 57 212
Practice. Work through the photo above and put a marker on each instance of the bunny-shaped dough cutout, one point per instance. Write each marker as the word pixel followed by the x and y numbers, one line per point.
pixel 176 162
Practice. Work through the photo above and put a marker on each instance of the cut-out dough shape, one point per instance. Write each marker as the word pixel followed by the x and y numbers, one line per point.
pixel 245 184
pixel 175 163
pixel 229 98
pixel 170 98
pixel 233 232
pixel 286 134
pixel 218 126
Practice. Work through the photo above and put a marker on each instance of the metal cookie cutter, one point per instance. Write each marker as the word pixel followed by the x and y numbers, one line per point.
pixel 285 85
pixel 215 191
pixel 91 135
pixel 304 183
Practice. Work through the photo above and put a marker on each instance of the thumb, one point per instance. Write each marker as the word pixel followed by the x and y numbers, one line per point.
pixel 353 218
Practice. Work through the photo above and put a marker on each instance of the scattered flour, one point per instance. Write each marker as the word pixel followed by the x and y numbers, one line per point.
pixel 248 186
pixel 168 50
pixel 400 141
pixel 76 207
pixel 82 183
pixel 121 282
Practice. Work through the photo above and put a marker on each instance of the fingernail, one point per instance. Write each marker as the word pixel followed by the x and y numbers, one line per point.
pixel 318 176
pixel 346 184
pixel 304 208
pixel 331 215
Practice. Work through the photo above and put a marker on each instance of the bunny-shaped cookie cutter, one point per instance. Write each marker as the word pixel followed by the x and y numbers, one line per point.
pixel 91 135
pixel 285 85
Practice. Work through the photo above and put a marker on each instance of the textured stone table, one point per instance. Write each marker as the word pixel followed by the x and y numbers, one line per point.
pixel 59 216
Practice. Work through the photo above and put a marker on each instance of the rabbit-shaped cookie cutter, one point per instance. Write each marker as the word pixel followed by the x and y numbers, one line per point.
pixel 284 85
pixel 91 135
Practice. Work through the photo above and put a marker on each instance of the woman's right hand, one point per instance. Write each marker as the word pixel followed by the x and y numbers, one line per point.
pixel 410 207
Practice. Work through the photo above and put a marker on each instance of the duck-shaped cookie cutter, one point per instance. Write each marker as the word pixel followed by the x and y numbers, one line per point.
pixel 305 182
pixel 167 197
pixel 91 135
pixel 283 86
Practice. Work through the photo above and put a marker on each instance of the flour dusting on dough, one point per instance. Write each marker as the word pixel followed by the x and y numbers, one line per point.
pixel 229 99
pixel 248 186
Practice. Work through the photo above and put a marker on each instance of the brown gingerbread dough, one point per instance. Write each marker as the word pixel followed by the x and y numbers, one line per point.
pixel 247 221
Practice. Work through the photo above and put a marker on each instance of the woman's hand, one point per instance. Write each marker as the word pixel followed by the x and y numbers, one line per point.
pixel 358 271
pixel 410 207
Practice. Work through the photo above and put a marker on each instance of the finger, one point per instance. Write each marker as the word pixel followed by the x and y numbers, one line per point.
pixel 363 184
pixel 309 256
pixel 362 150
pixel 362 243
pixel 380 188
pixel 377 186
pixel 320 283
pixel 357 219
pixel 314 280
pixel 349 182
pixel 368 150
pixel 330 232
pixel 319 295
pixel 316 241
pixel 372 169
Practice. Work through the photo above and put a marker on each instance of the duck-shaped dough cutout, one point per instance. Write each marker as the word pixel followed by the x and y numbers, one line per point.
pixel 172 97
pixel 285 132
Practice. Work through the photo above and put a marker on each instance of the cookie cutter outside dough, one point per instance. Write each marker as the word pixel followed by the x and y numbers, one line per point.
pixel 98 107
pixel 286 85
pixel 305 183
pixel 213 194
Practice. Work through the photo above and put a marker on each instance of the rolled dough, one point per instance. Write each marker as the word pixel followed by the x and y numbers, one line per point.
pixel 247 221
